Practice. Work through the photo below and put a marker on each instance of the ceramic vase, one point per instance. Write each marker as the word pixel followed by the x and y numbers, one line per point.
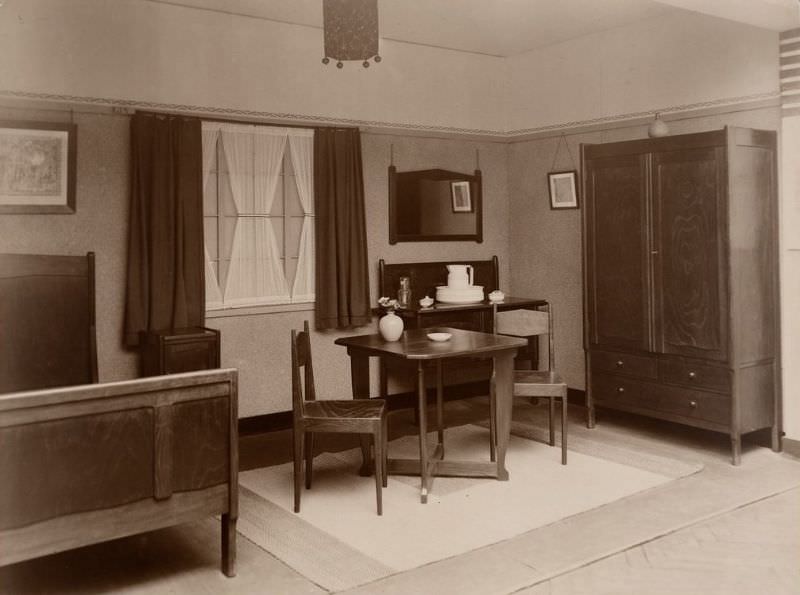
pixel 390 327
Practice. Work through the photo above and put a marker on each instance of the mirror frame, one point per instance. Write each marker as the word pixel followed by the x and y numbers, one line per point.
pixel 476 193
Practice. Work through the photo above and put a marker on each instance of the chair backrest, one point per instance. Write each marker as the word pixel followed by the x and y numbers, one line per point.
pixel 527 323
pixel 47 321
pixel 301 358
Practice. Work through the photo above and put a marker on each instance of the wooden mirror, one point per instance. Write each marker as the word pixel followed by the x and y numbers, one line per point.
pixel 434 205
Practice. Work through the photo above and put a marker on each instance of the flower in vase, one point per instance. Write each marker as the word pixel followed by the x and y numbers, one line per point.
pixel 387 304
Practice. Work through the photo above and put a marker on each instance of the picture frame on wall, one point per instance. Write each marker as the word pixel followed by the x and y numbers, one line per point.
pixel 460 196
pixel 563 187
pixel 37 167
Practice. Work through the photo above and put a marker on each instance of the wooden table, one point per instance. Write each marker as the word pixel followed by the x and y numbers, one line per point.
pixel 415 346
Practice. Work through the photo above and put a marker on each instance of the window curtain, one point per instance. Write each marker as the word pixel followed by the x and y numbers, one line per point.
pixel 210 132
pixel 301 145
pixel 254 156
pixel 165 278
pixel 342 277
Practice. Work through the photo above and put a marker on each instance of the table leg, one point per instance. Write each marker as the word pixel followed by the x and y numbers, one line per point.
pixel 423 432
pixel 359 375
pixel 440 403
pixel 504 381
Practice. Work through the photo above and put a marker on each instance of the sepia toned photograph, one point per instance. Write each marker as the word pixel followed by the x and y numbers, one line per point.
pixel 428 297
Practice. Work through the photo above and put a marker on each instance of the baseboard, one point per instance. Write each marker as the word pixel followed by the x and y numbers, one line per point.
pixel 791 447
pixel 282 420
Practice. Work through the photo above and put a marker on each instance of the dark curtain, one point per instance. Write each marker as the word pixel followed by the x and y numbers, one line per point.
pixel 342 276
pixel 166 284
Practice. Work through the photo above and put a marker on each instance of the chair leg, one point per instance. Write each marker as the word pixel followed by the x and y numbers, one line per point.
pixel 309 456
pixel 492 422
pixel 552 416
pixel 564 411
pixel 297 440
pixel 385 472
pixel 377 438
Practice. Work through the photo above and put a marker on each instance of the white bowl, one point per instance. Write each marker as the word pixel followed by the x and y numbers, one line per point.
pixel 439 336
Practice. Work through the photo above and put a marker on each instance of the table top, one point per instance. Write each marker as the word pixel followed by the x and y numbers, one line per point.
pixel 415 345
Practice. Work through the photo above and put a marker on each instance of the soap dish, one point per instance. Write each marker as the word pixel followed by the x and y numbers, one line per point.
pixel 439 336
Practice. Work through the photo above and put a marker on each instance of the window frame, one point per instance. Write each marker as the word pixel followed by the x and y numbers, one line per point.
pixel 226 310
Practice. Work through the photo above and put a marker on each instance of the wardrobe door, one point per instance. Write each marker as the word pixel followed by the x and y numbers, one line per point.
pixel 617 272
pixel 689 262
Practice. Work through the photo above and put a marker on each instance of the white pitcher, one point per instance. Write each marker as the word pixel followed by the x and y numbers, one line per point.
pixel 459 276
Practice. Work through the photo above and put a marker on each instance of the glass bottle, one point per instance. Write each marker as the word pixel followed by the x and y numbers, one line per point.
pixel 404 293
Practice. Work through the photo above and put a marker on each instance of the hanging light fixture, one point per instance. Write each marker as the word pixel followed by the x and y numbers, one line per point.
pixel 351 31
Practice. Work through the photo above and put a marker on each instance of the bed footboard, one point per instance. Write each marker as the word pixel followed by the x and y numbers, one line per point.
pixel 85 464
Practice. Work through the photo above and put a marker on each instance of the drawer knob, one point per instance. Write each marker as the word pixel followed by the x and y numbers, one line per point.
pixel 620 363
pixel 692 375
pixel 620 389
pixel 693 404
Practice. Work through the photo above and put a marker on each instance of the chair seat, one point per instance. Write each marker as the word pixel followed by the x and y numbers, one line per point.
pixel 345 409
pixel 535 383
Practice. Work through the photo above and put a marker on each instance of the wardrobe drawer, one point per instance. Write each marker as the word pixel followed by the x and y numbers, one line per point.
pixel 616 389
pixel 677 371
pixel 695 404
pixel 623 363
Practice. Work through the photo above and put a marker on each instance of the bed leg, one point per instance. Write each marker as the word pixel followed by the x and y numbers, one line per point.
pixel 228 545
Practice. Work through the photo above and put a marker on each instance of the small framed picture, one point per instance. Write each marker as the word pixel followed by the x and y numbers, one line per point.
pixel 563 189
pixel 459 193
pixel 37 167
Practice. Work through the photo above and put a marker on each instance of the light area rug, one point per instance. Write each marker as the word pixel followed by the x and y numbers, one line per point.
pixel 339 542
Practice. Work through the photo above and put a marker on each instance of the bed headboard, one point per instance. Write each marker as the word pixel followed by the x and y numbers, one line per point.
pixel 425 276
pixel 47 321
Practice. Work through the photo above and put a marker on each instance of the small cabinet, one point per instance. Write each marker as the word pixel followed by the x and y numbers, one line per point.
pixel 180 350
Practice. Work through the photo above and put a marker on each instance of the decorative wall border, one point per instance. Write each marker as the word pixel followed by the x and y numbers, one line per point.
pixel 279 117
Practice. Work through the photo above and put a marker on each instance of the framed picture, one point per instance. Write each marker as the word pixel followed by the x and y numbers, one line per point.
pixel 37 167
pixel 459 193
pixel 563 189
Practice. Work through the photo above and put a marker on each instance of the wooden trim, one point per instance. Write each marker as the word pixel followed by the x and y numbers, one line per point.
pixel 58 534
pixel 791 447
pixel 791 33
pixel 162 468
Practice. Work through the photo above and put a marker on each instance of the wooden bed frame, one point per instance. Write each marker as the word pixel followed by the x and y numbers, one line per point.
pixel 89 463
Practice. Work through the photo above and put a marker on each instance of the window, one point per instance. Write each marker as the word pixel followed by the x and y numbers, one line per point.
pixel 258 215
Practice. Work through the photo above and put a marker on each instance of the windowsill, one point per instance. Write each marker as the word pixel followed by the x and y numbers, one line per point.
pixel 259 310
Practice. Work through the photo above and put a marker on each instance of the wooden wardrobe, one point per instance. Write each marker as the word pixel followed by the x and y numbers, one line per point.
pixel 681 280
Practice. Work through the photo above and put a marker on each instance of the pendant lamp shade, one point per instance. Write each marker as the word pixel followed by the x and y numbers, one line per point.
pixel 351 30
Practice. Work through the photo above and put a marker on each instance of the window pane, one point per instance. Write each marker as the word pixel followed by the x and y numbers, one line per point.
pixel 291 269
pixel 210 196
pixel 210 230
pixel 293 204
pixel 277 227
pixel 227 205
pixel 294 225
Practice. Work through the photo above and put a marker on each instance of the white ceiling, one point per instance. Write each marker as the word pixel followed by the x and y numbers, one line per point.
pixel 508 27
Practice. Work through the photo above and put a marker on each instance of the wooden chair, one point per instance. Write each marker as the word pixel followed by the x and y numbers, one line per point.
pixel 47 321
pixel 532 383
pixel 351 416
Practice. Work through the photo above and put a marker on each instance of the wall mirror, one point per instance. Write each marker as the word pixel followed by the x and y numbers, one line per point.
pixel 434 205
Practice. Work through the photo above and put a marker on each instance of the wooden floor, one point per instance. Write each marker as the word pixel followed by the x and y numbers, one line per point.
pixel 724 530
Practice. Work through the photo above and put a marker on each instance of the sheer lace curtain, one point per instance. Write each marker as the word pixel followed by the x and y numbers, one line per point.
pixel 254 155
pixel 301 146
pixel 210 132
